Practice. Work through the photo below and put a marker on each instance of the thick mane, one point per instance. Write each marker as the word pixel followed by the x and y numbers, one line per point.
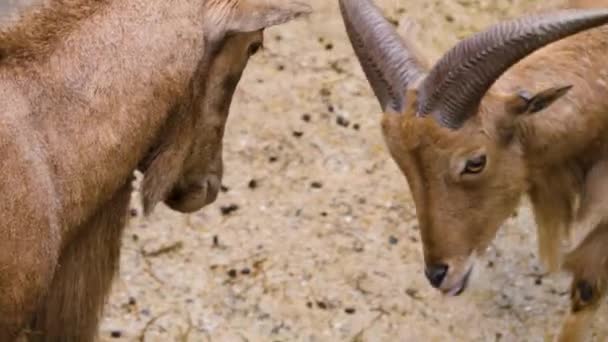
pixel 39 27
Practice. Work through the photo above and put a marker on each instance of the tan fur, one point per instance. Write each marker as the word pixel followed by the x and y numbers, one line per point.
pixel 88 91
pixel 35 35
pixel 587 3
pixel 558 157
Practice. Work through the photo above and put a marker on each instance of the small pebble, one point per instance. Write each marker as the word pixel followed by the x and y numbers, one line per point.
pixel 252 184
pixel 413 293
pixel 298 134
pixel 538 281
pixel 356 127
pixel 306 117
pixel 309 305
pixel 116 334
pixel 329 46
pixel 280 67
pixel 132 301
pixel 232 273
pixel 393 240
pixel 224 188
pixel 229 209
pixel 245 271
pixel 322 305
pixel 133 212
pixel 316 185
pixel 216 241
pixel 342 121
pixel 350 311
pixel 273 159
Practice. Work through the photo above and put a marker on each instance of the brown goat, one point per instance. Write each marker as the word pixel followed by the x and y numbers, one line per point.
pixel 517 109
pixel 92 90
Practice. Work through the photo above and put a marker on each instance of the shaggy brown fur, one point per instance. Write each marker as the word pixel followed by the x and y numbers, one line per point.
pixel 89 262
pixel 87 89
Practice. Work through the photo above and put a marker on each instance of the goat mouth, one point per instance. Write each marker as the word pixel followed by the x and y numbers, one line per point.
pixel 459 288
pixel 193 198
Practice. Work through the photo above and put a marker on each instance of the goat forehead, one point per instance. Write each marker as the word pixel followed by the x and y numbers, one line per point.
pixel 427 135
pixel 424 168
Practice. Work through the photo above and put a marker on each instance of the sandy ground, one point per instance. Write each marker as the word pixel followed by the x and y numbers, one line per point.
pixel 315 237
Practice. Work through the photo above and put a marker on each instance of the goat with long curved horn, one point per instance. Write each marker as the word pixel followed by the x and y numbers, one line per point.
pixel 541 130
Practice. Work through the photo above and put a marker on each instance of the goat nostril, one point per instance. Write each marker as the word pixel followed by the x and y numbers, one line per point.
pixel 436 274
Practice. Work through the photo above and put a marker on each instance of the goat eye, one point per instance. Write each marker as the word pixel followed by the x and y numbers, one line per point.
pixel 475 165
pixel 585 291
pixel 254 48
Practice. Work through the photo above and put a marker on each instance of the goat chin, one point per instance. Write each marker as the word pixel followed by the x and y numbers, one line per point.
pixel 459 276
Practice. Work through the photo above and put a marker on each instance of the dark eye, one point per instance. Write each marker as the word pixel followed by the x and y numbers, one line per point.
pixel 585 291
pixel 475 165
pixel 254 48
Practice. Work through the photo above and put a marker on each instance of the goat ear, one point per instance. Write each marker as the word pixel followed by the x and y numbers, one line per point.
pixel 254 15
pixel 525 102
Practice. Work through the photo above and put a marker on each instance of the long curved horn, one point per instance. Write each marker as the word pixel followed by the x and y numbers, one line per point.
pixel 456 84
pixel 388 63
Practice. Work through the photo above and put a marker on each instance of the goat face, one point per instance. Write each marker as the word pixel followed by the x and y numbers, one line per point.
pixel 186 170
pixel 451 137
pixel 201 176
pixel 464 183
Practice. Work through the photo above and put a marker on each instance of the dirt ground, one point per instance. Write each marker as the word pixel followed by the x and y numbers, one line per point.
pixel 315 237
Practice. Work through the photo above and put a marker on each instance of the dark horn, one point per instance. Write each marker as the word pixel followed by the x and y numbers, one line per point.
pixel 457 83
pixel 389 65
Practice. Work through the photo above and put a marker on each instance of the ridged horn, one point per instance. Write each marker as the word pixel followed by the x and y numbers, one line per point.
pixel 457 83
pixel 387 62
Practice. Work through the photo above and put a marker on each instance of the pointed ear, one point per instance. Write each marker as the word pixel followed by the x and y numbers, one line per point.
pixel 254 15
pixel 526 103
